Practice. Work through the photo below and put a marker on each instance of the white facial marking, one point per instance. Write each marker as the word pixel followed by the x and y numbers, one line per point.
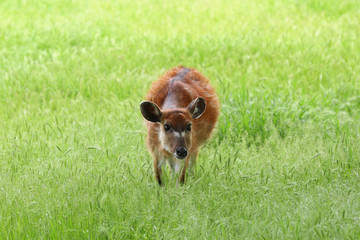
pixel 179 134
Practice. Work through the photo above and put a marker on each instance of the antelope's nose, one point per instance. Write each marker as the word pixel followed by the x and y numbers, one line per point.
pixel 181 152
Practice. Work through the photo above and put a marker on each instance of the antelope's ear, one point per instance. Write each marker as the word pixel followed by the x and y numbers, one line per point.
pixel 150 111
pixel 197 107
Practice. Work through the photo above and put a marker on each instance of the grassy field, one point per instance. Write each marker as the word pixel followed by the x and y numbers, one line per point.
pixel 284 162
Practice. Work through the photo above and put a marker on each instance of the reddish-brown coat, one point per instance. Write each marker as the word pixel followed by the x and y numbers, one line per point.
pixel 192 85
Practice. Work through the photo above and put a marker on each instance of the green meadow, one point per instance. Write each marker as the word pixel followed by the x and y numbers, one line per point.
pixel 283 163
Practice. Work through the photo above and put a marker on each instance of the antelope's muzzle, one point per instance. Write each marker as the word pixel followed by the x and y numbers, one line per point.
pixel 181 153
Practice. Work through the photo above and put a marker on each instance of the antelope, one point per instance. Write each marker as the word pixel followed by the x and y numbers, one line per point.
pixel 180 112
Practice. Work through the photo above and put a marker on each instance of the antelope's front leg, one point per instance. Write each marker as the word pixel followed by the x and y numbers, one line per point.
pixel 157 170
pixel 183 172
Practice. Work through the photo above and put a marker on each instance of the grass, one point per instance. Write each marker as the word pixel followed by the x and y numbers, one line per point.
pixel 283 164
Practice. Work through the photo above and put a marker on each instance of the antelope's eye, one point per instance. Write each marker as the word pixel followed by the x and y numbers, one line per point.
pixel 188 127
pixel 166 127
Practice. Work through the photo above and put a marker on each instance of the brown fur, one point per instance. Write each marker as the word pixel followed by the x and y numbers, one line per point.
pixel 182 85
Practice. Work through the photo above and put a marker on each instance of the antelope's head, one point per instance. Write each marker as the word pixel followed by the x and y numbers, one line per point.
pixel 176 124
